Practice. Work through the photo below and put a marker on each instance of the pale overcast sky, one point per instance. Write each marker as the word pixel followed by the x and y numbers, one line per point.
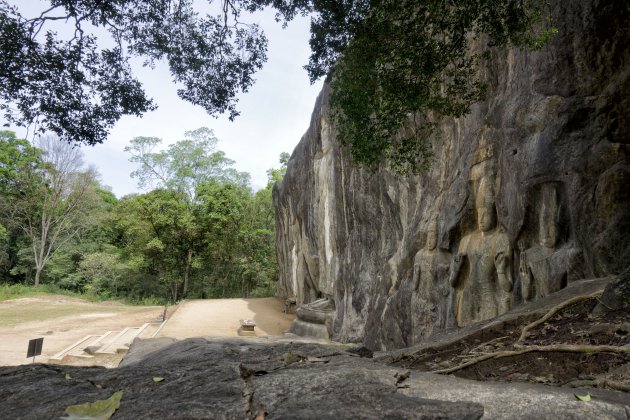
pixel 274 113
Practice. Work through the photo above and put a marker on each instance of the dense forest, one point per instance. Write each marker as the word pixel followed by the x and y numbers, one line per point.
pixel 199 230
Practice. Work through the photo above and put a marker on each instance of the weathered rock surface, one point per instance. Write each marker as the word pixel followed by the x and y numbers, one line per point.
pixel 527 194
pixel 616 296
pixel 231 379
pixel 498 326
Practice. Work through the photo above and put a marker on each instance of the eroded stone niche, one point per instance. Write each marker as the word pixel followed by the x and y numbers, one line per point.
pixel 527 193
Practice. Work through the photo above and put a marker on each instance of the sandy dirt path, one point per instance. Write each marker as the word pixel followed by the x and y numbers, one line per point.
pixel 62 321
pixel 220 318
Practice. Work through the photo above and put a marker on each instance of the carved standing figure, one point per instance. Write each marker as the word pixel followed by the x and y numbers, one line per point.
pixel 481 272
pixel 430 286
pixel 543 269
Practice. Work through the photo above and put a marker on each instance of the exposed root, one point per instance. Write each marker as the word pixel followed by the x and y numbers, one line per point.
pixel 487 343
pixel 600 383
pixel 418 357
pixel 555 310
pixel 571 348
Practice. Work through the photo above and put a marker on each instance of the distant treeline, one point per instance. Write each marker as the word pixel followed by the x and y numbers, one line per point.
pixel 199 232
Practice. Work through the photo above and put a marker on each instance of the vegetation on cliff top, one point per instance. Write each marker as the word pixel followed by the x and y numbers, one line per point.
pixel 399 65
pixel 392 61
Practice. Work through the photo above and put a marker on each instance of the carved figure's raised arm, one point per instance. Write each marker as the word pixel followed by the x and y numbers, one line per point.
pixel 417 271
pixel 456 266
pixel 502 263
pixel 525 275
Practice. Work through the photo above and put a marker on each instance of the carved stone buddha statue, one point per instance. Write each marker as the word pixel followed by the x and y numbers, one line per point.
pixel 481 272
pixel 430 286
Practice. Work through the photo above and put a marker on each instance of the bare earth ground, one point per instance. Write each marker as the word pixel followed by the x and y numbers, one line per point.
pixel 63 320
pixel 220 318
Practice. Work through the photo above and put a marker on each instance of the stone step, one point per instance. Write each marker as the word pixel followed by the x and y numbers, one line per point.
pixel 111 342
pixel 104 340
pixel 149 330
pixel 121 342
pixel 79 350
pixel 77 345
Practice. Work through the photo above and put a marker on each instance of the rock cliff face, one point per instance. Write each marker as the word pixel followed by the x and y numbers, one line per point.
pixel 527 193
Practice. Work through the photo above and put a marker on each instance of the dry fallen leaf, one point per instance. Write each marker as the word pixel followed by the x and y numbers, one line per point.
pixel 584 398
pixel 290 358
pixel 97 410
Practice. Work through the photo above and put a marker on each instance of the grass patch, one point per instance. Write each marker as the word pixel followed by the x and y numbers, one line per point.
pixel 17 291
pixel 11 315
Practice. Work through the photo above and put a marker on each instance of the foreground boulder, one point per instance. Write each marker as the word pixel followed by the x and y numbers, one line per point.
pixel 244 378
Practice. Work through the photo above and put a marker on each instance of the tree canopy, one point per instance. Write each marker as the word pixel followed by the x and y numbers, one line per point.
pixel 395 62
pixel 391 62
pixel 199 230
pixel 76 88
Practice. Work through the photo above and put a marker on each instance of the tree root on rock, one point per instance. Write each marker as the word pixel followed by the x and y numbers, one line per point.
pixel 487 343
pixel 555 310
pixel 572 348
pixel 600 383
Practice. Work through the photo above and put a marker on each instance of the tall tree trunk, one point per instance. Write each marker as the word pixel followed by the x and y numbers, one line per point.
pixel 174 291
pixel 38 272
pixel 40 254
pixel 187 272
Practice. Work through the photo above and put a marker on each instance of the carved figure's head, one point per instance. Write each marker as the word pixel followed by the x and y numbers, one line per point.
pixel 548 219
pixel 484 204
pixel 432 235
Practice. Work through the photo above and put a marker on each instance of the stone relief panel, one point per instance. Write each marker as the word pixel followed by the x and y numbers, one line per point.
pixel 430 291
pixel 532 191
pixel 314 319
pixel 546 264
pixel 481 270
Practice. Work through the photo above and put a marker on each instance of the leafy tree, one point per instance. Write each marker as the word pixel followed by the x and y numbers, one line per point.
pixel 4 255
pixel 58 204
pixel 183 165
pixel 395 62
pixel 101 273
pixel 219 243
pixel 138 251
pixel 19 165
pixel 275 175
pixel 161 236
pixel 66 268
pixel 392 62
pixel 77 90
pixel 181 168
pixel 18 159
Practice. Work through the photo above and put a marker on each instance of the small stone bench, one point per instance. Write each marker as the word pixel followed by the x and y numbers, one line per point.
pixel 247 327
pixel 287 305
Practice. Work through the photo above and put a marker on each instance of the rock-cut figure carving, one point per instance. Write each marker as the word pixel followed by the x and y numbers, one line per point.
pixel 543 269
pixel 314 319
pixel 430 287
pixel 481 271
